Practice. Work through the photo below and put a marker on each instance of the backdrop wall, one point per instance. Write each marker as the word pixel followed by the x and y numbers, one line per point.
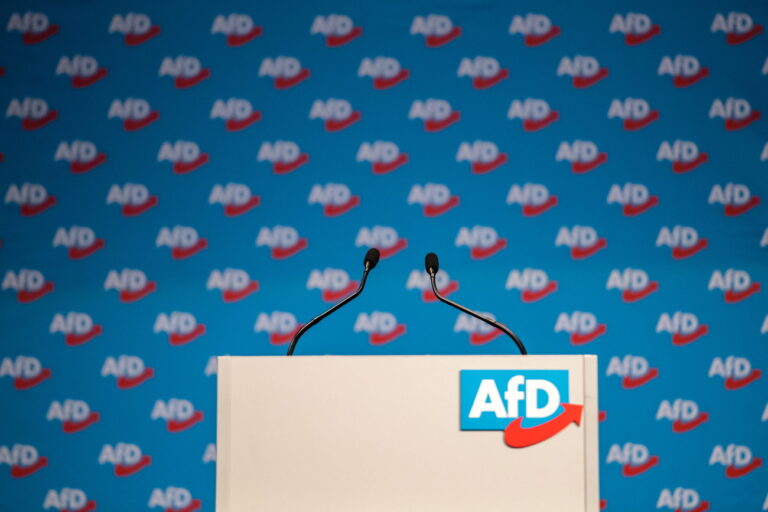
pixel 182 180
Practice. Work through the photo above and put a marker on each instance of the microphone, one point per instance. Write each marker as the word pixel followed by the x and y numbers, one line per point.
pixel 370 261
pixel 432 265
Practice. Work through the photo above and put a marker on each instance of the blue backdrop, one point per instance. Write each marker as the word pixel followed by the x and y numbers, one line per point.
pixel 183 180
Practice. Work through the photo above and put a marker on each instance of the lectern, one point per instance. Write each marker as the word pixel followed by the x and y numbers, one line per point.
pixel 407 434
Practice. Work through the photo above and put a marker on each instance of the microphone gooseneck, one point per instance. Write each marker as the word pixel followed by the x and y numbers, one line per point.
pixel 432 265
pixel 371 260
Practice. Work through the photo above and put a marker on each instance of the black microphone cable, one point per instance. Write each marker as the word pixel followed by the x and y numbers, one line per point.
pixel 432 265
pixel 371 260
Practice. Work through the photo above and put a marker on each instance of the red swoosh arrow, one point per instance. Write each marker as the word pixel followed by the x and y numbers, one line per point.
pixel 26 383
pixel 734 38
pixel 70 427
pixel 180 253
pixel 185 167
pixel 78 167
pixel 239 40
pixel 385 167
pixel 731 296
pixel 732 384
pixel 480 82
pixel 124 382
pixel 88 507
pixel 531 210
pixel 24 471
pixel 630 470
pixel 134 295
pixel 680 339
pixel 479 338
pixel 732 210
pixel 26 297
pixel 534 295
pixel 133 125
pixel 73 339
pixel 286 167
pixel 282 82
pixel 602 415
pixel 532 125
pixel 516 436
pixel 29 210
pixel 179 425
pixel 579 253
pixel 233 210
pixel 176 338
pixel 738 124
pixel 479 253
pixel 380 83
pixel 137 39
pixel 629 382
pixel 536 40
pixel 122 470
pixel 34 124
pixel 633 296
pixel 433 125
pixel 636 124
pixel 680 253
pixel 378 338
pixel 398 246
pixel 433 210
pixel 433 41
pixel 77 253
pixel 484 167
pixel 235 125
pixel 578 338
pixel 236 295
pixel 79 82
pixel 281 253
pixel 429 296
pixel 335 295
pixel 582 82
pixel 681 167
pixel 334 125
pixel 334 210
pixel 185 82
pixel 281 338
pixel 39 37
pixel 735 472
pixel 685 81
pixel 193 505
pixel 335 40
pixel 680 426
pixel 703 507
pixel 635 39
pixel 132 210
pixel 579 167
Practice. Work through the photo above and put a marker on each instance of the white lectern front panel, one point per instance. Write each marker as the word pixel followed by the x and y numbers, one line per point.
pixel 384 433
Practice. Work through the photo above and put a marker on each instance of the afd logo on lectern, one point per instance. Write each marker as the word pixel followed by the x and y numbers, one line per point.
pixel 530 406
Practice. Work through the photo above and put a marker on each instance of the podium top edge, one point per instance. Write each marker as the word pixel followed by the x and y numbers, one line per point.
pixel 412 356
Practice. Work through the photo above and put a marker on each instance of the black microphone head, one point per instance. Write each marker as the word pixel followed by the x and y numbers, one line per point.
pixel 431 262
pixel 371 258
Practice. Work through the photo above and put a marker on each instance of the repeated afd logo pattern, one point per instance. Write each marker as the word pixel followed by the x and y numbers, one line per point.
pixel 184 181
